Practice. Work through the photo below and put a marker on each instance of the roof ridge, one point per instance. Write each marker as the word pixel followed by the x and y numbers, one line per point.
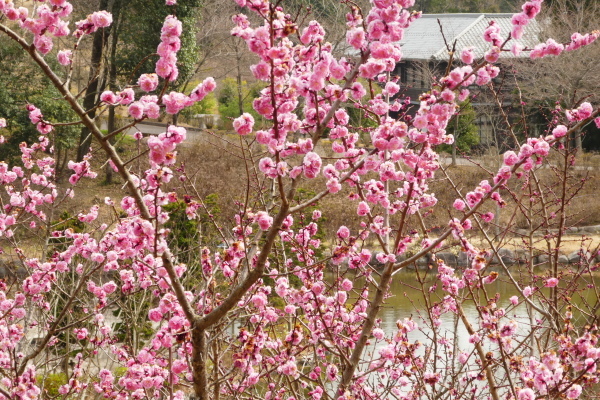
pixel 462 33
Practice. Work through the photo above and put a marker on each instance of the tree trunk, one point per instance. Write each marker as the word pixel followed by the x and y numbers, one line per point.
pixel 455 140
pixel 91 93
pixel 58 171
pixel 110 127
pixel 578 143
pixel 199 358
pixel 112 76
pixel 239 81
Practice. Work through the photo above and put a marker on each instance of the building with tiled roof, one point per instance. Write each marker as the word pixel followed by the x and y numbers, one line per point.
pixel 424 52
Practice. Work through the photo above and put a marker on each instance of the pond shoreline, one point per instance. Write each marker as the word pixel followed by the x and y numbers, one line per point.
pixel 505 256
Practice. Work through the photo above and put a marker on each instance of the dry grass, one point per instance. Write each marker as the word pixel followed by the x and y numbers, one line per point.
pixel 216 164
pixel 569 243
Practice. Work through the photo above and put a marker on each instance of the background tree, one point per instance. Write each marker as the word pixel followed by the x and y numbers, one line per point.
pixel 20 84
pixel 132 41
pixel 566 80
pixel 92 90
pixel 464 130
pixel 235 99
pixel 331 14
pixel 466 6
pixel 138 38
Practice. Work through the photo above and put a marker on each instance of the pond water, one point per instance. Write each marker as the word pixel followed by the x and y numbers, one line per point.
pixel 407 301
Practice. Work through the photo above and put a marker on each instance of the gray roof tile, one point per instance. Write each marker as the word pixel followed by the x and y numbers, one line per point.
pixel 423 39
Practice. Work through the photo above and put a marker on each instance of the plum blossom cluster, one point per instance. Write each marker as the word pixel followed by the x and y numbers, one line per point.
pixel 29 189
pixel 395 158
pixel 578 40
pixel 25 386
pixel 166 67
pixel 328 320
pixel 385 24
pixel 243 124
pixel 148 106
pixel 80 170
pixel 48 22
pixel 519 21
pixel 124 97
pixel 550 48
pixel 530 154
pixel 93 22
pixel 298 327
pixel 566 369
pixel 584 111
pixel 162 147
pixel 36 117
pixel 301 70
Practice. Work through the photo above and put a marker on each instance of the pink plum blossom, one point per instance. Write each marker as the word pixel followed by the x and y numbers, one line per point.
pixel 243 125
pixel 459 204
pixel 264 220
pixel 64 57
pixel 467 55
pixel 101 19
pixel 551 282
pixel 526 394
pixel 363 209
pixel 559 131
pixel 574 391
pixel 148 82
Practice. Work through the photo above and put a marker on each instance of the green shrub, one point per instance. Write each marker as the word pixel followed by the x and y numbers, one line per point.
pixel 208 105
pixel 185 233
pixel 464 130
pixel 120 372
pixel 65 221
pixel 49 384
pixel 229 106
